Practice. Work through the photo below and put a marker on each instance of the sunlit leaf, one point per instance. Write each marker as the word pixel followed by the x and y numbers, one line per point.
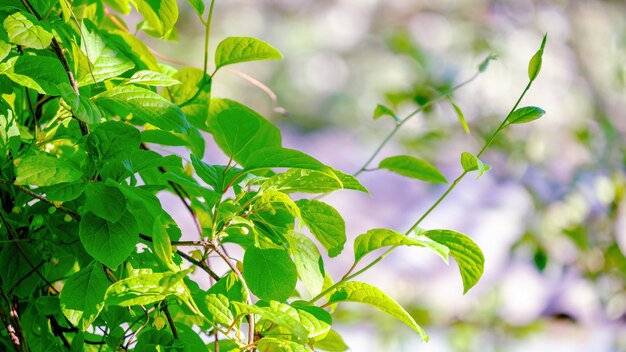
pixel 360 292
pixel 270 273
pixel 525 114
pixel 413 167
pixel 325 223
pixel 467 254
pixel 233 50
pixel 25 31
pixel 470 162
pixel 82 297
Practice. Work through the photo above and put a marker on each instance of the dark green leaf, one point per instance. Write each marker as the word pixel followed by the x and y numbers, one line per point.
pixel 109 242
pixel 325 223
pixel 270 273
pixel 467 254
pixel 364 293
pixel 113 140
pixel 105 201
pixel 267 158
pixel 233 50
pixel 82 297
pixel 413 167
pixel 65 191
pixel 525 114
pixel 240 132
pixel 17 274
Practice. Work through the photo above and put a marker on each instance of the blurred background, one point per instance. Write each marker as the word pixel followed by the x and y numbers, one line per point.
pixel 551 214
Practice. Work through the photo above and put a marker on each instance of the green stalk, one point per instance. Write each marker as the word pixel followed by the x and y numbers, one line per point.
pixel 349 275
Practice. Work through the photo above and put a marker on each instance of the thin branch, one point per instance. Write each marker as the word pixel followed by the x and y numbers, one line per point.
pixel 21 188
pixel 170 321
pixel 216 247
pixel 23 252
pixel 58 50
pixel 409 116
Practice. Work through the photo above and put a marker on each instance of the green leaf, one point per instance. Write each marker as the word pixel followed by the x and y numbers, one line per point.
pixel 162 244
pixel 525 114
pixel 332 342
pixel 109 242
pixel 269 273
pixel 151 78
pixel 482 67
pixel 160 16
pixel 272 157
pixel 272 344
pixel 145 105
pixel 144 289
pixel 467 254
pixel 233 50
pixel 360 292
pixel 65 191
pixel 17 274
pixel 45 72
pixel 43 169
pixel 308 261
pixel 239 132
pixel 197 5
pixel 325 223
pixel 278 315
pixel 382 110
pixel 461 117
pixel 304 181
pixel 379 238
pixel 413 167
pixel 82 107
pixel 104 201
pixel 534 66
pixel 82 297
pixel 113 140
pixel 5 49
pixel 105 60
pixel 26 31
pixel 470 162
pixel 218 307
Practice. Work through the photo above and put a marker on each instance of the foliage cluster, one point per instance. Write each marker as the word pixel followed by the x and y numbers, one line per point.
pixel 91 261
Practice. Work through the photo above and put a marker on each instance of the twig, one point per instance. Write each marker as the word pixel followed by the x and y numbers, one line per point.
pixel 23 252
pixel 21 188
pixel 170 321
pixel 216 247
pixel 58 50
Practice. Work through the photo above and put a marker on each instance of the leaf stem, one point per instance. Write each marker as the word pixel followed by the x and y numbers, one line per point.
pixel 58 50
pixel 216 247
pixel 207 34
pixel 349 275
pixel 406 118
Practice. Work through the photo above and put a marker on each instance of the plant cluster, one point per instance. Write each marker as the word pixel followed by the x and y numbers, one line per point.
pixel 89 258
